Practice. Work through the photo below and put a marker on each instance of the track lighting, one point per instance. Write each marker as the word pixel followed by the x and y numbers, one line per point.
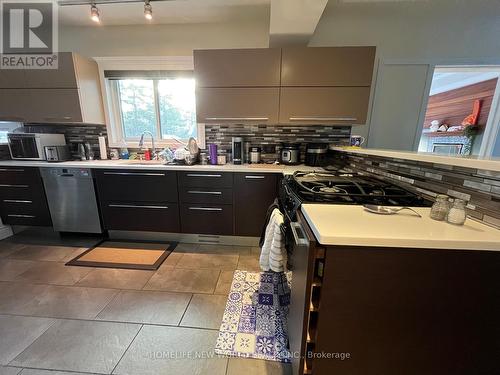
pixel 94 13
pixel 148 10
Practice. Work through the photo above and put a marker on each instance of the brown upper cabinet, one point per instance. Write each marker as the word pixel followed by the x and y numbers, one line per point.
pixel 324 105
pixel 327 66
pixel 255 67
pixel 69 94
pixel 296 85
pixel 258 105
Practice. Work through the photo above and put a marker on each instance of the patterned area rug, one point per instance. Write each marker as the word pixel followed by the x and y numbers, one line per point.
pixel 254 322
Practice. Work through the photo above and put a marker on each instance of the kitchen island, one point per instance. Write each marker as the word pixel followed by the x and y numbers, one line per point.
pixel 375 294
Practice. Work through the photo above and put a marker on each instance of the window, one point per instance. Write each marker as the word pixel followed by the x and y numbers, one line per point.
pixel 162 102
pixel 5 127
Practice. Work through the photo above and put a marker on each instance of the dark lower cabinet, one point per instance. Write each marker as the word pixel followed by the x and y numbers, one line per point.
pixel 155 217
pixel 121 185
pixel 207 219
pixel 138 200
pixel 253 194
pixel 22 197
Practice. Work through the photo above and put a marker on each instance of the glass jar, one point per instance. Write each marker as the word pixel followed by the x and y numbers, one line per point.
pixel 440 208
pixel 457 214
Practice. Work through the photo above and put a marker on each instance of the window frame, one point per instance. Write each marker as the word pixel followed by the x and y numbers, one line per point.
pixel 111 100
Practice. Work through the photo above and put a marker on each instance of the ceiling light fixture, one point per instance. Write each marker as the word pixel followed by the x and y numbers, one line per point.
pixel 94 13
pixel 148 10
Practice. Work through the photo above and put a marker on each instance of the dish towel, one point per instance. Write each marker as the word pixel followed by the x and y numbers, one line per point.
pixel 273 255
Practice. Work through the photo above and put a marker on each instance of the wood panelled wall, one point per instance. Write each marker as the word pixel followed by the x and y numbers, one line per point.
pixel 451 107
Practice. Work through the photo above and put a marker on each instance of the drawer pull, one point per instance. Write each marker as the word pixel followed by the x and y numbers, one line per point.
pixel 137 206
pixel 205 208
pixel 255 177
pixel 323 118
pixel 236 118
pixel 24 216
pixel 205 192
pixel 15 186
pixel 203 175
pixel 16 201
pixel 11 170
pixel 133 174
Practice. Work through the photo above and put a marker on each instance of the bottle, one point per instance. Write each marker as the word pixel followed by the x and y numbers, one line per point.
pixel 457 214
pixel 440 208
pixel 124 154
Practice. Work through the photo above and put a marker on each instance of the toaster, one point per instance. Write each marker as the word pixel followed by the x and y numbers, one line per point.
pixel 57 153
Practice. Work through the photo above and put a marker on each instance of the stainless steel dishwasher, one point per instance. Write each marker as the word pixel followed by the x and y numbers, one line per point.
pixel 72 199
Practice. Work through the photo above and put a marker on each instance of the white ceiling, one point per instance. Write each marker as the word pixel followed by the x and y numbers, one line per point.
pixel 168 12
pixel 444 80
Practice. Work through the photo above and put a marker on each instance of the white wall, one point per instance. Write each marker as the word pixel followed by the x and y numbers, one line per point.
pixel 159 40
pixel 424 32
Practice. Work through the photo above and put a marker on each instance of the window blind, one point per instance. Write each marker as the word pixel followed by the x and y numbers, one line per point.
pixel 147 74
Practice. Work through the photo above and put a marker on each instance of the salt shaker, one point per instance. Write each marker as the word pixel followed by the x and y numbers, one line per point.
pixel 440 208
pixel 457 215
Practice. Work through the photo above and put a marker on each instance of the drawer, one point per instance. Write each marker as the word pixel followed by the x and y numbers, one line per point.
pixel 154 217
pixel 136 186
pixel 41 219
pixel 207 219
pixel 207 195
pixel 19 176
pixel 206 179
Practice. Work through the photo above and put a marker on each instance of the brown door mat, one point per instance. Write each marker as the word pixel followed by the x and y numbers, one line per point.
pixel 141 255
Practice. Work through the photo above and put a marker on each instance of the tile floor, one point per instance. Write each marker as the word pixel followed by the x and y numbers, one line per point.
pixel 60 320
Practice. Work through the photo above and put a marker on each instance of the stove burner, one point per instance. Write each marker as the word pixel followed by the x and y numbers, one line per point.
pixel 330 189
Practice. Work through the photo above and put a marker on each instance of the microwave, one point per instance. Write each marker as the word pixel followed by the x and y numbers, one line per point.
pixel 31 146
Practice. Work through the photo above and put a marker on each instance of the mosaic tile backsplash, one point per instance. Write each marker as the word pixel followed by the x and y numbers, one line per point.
pixel 74 134
pixel 480 188
pixel 269 136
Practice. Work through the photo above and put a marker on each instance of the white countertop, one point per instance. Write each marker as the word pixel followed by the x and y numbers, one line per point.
pixel 492 164
pixel 352 225
pixel 133 164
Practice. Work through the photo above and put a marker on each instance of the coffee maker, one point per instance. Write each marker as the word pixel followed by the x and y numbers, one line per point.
pixel 237 143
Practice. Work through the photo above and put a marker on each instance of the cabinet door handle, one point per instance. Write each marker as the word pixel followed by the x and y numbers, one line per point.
pixel 322 118
pixel 11 170
pixel 24 216
pixel 66 118
pixel 203 175
pixel 137 206
pixel 205 208
pixel 16 186
pixel 16 201
pixel 236 118
pixel 134 174
pixel 299 239
pixel 205 192
pixel 250 177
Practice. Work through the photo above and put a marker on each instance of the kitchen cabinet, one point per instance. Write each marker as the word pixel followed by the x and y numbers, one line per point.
pixel 237 105
pixel 431 311
pixel 14 105
pixel 206 202
pixel 324 105
pixel 293 85
pixel 257 67
pixel 327 66
pixel 22 197
pixel 253 194
pixel 207 218
pixel 140 200
pixel 69 94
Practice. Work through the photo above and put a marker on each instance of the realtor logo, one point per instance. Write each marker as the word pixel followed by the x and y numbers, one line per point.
pixel 29 34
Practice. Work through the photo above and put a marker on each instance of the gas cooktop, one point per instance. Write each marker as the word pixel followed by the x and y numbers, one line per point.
pixel 344 187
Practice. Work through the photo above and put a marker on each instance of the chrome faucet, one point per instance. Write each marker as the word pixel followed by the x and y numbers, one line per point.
pixel 141 141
